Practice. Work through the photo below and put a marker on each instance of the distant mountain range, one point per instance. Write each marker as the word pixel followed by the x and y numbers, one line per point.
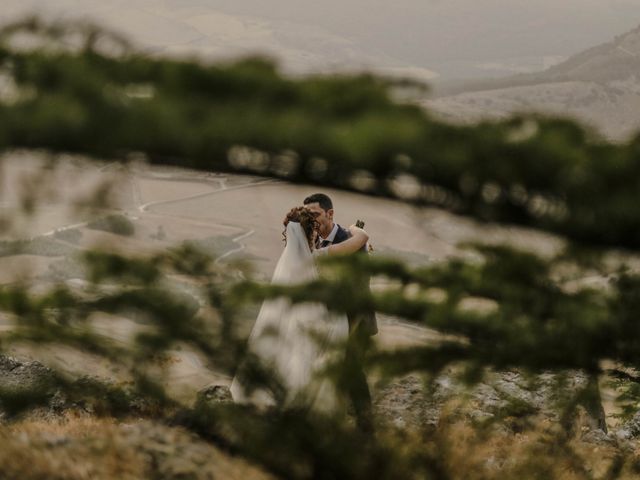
pixel 600 86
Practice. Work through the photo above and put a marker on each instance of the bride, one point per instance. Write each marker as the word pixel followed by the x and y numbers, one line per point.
pixel 297 342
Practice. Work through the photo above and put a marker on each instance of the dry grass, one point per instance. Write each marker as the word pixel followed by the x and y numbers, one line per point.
pixel 71 449
pixel 86 448
pixel 543 451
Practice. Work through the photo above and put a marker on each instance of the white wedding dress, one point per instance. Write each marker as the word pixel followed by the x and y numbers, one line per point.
pixel 298 342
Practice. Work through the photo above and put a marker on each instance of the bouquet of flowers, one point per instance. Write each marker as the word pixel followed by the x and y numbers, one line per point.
pixel 360 224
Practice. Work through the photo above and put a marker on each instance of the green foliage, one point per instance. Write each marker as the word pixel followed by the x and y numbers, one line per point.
pixel 118 224
pixel 298 446
pixel 628 386
pixel 344 131
pixel 130 288
pixel 534 324
pixel 339 130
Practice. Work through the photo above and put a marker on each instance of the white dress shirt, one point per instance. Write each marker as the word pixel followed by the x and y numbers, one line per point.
pixel 330 238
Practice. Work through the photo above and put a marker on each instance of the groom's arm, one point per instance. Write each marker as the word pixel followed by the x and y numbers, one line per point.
pixel 344 234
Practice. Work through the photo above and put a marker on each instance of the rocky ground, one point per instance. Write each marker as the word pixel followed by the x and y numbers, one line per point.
pixel 66 436
pixel 113 433
pixel 494 421
pixel 609 109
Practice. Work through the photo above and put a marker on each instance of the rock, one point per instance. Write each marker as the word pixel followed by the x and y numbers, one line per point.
pixel 104 396
pixel 19 376
pixel 203 417
pixel 407 402
pixel 29 385
pixel 597 437
pixel 509 398
pixel 214 394
pixel 399 423
pixel 623 434
pixel 24 384
pixel 630 429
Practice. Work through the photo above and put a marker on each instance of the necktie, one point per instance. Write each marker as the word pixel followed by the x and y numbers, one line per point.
pixel 325 243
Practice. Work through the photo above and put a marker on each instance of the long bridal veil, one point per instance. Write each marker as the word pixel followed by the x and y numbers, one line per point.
pixel 296 342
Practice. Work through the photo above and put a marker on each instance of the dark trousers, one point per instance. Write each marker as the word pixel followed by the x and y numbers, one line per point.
pixel 356 385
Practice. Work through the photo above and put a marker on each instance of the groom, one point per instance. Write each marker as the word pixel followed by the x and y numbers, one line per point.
pixel 362 325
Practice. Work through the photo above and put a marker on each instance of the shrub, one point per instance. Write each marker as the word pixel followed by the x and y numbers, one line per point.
pixel 118 224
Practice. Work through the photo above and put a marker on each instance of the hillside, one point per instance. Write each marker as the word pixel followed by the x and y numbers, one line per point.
pixel 600 86
pixel 614 61
pixel 617 60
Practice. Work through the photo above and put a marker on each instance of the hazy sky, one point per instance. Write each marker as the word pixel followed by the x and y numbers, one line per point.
pixel 446 34
pixel 456 38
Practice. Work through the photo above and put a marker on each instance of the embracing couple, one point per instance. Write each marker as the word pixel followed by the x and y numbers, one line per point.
pixel 299 343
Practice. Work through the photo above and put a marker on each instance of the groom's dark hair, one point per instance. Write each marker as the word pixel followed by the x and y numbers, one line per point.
pixel 321 199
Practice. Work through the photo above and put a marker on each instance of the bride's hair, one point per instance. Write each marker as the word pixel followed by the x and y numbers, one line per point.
pixel 306 219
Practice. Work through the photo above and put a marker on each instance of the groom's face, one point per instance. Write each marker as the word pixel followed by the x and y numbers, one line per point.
pixel 324 217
